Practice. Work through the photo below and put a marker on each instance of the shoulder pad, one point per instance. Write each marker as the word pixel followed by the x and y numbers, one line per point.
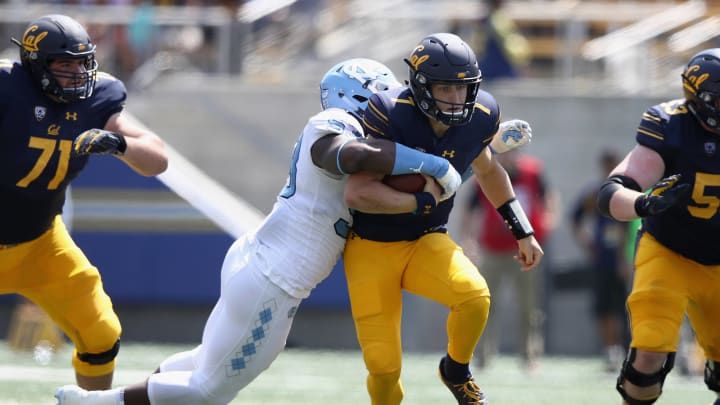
pixel 332 126
pixel 106 76
pixel 336 121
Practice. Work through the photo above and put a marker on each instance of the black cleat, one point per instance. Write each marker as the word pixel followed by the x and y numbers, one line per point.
pixel 466 393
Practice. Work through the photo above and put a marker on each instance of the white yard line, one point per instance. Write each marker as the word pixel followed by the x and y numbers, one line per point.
pixel 62 375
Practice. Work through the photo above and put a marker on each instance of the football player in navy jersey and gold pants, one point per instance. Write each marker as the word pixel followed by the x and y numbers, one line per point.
pixel 55 110
pixel 443 112
pixel 677 262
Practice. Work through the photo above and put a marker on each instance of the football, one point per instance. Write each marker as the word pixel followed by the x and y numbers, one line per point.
pixel 407 183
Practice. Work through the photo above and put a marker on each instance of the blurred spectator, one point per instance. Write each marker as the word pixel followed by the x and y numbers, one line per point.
pixel 606 244
pixel 502 50
pixel 491 245
pixel 141 30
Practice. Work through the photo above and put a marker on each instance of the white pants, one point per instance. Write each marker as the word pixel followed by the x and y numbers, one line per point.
pixel 246 331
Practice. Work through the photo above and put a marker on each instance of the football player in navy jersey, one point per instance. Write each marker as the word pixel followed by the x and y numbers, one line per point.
pixel 55 110
pixel 677 262
pixel 443 112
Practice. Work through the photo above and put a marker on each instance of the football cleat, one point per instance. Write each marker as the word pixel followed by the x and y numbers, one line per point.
pixel 466 393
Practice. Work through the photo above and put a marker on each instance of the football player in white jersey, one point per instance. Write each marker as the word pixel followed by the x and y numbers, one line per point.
pixel 266 273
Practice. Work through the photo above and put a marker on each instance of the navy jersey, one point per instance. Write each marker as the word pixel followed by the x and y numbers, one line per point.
pixel 393 115
pixel 36 136
pixel 690 228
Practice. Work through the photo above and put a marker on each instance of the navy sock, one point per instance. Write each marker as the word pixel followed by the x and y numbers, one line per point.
pixel 455 372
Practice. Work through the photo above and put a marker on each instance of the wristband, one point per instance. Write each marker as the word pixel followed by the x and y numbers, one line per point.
pixel 425 203
pixel 122 146
pixel 641 206
pixel 409 160
pixel 515 219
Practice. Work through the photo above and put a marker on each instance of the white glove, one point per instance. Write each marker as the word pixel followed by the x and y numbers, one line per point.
pixel 510 135
pixel 450 182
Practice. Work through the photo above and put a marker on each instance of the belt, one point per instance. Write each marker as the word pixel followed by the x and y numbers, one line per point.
pixel 12 245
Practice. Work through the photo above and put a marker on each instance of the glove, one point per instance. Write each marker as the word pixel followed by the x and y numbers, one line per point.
pixel 99 141
pixel 450 182
pixel 663 195
pixel 510 135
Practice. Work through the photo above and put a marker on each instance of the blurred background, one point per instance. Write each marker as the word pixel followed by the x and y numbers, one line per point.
pixel 230 84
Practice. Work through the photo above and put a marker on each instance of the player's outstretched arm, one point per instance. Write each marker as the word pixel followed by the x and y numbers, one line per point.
pixel 99 142
pixel 621 197
pixel 145 150
pixel 510 135
pixel 663 195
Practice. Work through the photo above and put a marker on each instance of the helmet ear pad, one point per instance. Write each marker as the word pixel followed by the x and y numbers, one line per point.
pixel 56 37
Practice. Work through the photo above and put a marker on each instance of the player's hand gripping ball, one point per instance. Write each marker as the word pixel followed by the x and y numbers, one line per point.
pixel 407 183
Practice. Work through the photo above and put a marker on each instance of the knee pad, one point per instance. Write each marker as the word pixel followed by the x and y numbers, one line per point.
pixel 479 305
pixel 631 375
pixel 382 358
pixel 95 364
pixel 712 375
pixel 97 359
pixel 385 388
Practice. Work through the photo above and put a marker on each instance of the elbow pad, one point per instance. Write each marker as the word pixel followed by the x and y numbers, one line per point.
pixel 609 187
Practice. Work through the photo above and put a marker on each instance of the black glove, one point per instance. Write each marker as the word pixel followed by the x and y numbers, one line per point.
pixel 100 142
pixel 663 195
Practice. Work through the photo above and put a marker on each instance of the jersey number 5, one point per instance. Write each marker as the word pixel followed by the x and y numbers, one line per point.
pixel 47 146
pixel 710 203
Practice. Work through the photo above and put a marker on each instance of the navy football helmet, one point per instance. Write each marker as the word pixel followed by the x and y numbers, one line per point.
pixel 701 86
pixel 54 37
pixel 443 59
pixel 349 84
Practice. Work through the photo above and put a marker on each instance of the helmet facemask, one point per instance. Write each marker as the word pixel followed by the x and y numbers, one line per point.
pixel 80 84
pixel 460 113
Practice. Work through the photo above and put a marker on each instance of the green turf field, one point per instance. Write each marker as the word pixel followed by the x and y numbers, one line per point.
pixel 320 377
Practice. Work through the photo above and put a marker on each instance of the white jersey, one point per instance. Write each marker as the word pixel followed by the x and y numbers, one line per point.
pixel 304 235
pixel 264 277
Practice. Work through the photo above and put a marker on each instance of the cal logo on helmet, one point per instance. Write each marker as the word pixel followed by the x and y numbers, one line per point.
pixel 417 60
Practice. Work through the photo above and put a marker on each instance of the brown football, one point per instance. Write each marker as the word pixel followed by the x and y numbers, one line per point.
pixel 407 183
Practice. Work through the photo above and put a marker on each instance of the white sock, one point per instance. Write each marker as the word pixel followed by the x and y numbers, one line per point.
pixel 106 397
